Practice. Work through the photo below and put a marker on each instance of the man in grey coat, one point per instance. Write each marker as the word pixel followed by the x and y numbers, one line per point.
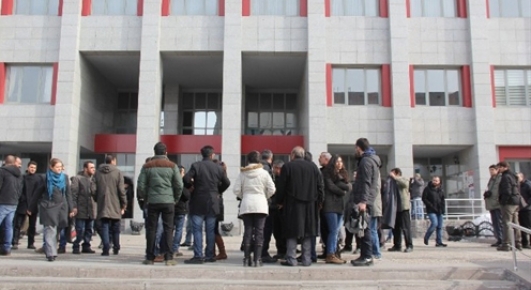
pixel 492 204
pixel 82 188
pixel 111 199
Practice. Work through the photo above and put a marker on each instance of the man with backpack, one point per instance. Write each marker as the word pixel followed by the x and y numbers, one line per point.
pixel 510 202
pixel 525 209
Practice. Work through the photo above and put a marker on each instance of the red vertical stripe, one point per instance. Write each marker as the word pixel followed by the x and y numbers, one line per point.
pixel 54 83
pixel 384 8
pixel 461 9
pixel 165 8
pixel 60 12
pixel 221 8
pixel 327 8
pixel 386 85
pixel 246 7
pixel 86 8
pixel 412 85
pixel 467 86
pixel 488 8
pixel 304 8
pixel 329 93
pixel 2 81
pixel 140 8
pixel 7 7
pixel 492 86
pixel 408 8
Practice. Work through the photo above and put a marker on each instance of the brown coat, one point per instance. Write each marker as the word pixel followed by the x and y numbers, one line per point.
pixel 110 192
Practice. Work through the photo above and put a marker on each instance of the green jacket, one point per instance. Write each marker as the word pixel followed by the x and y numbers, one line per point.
pixel 160 181
pixel 403 187
pixel 492 202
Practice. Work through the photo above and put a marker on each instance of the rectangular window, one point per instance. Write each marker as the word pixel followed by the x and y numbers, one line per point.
pixel 275 7
pixel 114 7
pixel 200 113
pixel 437 87
pixel 510 8
pixel 271 114
pixel 512 87
pixel 125 115
pixel 29 84
pixel 36 7
pixel 355 7
pixel 356 86
pixel 194 7
pixel 433 8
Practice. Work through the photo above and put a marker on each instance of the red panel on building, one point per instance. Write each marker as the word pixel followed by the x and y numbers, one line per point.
pixel 408 8
pixel 165 8
pixel 221 9
pixel 514 152
pixel 467 86
pixel 386 86
pixel 54 83
pixel 86 8
pixel 140 8
pixel 277 144
pixel 327 8
pixel 246 7
pixel 7 7
pixel 60 8
pixel 190 144
pixel 412 85
pixel 492 86
pixel 304 8
pixel 115 143
pixel 384 9
pixel 2 81
pixel 329 93
pixel 461 9
pixel 488 8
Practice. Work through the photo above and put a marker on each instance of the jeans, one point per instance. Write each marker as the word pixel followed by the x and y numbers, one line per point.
pixel 254 227
pixel 7 214
pixel 436 222
pixel 189 230
pixel 84 231
pixel 110 228
pixel 197 225
pixel 62 238
pixel 417 208
pixel 375 241
pixel 155 212
pixel 159 237
pixel 333 220
pixel 497 226
pixel 179 224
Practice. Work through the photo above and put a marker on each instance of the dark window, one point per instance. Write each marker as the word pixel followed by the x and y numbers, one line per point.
pixel 275 114
pixel 200 113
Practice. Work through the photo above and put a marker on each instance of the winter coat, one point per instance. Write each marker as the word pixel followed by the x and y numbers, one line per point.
pixel 267 167
pixel 181 208
pixel 83 187
pixel 415 187
pixel 300 190
pixel 54 211
pixel 525 192
pixel 403 188
pixel 335 194
pixel 110 192
pixel 390 193
pixel 254 186
pixel 30 183
pixel 160 181
pixel 492 202
pixel 509 190
pixel 10 185
pixel 368 184
pixel 208 180
pixel 433 198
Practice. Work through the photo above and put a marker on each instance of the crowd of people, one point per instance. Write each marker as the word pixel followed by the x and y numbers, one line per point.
pixel 295 202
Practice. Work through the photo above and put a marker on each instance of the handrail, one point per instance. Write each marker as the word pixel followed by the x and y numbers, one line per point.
pixel 513 242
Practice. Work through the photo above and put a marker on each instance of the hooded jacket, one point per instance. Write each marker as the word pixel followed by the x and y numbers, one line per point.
pixel 254 186
pixel 82 189
pixel 433 198
pixel 110 192
pixel 160 181
pixel 10 185
pixel 368 184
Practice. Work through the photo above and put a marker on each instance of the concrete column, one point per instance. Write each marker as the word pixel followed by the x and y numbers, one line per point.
pixel 401 154
pixel 149 87
pixel 171 109
pixel 67 107
pixel 232 101
pixel 485 148
pixel 316 74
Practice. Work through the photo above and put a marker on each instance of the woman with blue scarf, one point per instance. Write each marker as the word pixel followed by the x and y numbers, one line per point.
pixel 55 206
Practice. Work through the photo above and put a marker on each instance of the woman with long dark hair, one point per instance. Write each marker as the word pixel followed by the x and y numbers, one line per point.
pixel 336 188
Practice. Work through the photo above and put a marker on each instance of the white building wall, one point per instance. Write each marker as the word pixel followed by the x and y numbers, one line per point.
pixel 116 33
pixel 192 33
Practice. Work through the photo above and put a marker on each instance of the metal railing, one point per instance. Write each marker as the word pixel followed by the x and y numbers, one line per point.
pixel 513 242
pixel 464 208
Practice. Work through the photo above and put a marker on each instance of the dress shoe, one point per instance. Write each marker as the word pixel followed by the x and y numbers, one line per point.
pixel 346 249
pixel 115 252
pixel 211 260
pixel 31 247
pixel 362 262
pixel 61 250
pixel 185 245
pixel 333 259
pixel 76 252
pixel 88 251
pixel 425 241
pixel 394 249
pixel 286 263
pixel 497 244
pixel 105 254
pixel 194 261
pixel 408 250
pixel 441 245
pixel 50 259
pixel 269 260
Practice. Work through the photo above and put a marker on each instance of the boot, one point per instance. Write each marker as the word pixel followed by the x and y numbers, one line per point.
pixel 247 255
pixel 221 247
pixel 333 259
pixel 258 255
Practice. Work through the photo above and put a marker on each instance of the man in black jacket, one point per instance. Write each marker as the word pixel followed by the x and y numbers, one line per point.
pixel 276 212
pixel 30 181
pixel 10 191
pixel 433 198
pixel 524 215
pixel 208 180
pixel 510 202
pixel 267 160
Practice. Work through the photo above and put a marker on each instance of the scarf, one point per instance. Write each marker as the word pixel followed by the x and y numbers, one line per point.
pixel 55 180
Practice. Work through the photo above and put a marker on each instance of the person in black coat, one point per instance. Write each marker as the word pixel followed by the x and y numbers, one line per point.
pixel 31 181
pixel 433 198
pixel 181 209
pixel 299 192
pixel 10 191
pixel 524 215
pixel 510 199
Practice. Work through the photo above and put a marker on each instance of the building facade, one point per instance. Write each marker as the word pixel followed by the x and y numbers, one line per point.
pixel 439 87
